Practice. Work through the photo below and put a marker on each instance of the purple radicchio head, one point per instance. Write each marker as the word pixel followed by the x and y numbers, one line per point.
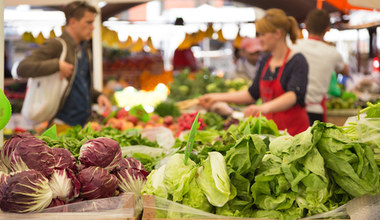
pixel 64 184
pixel 131 162
pixel 26 191
pixel 102 152
pixel 97 183
pixel 33 153
pixel 10 145
pixel 64 159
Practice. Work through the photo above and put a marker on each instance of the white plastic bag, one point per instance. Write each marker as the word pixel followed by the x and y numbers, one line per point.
pixel 163 136
pixel 44 94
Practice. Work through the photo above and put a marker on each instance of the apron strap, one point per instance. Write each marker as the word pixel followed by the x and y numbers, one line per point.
pixel 281 68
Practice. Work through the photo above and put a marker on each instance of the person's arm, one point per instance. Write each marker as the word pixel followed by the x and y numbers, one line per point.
pixel 345 70
pixel 104 104
pixel 341 67
pixel 239 97
pixel 281 103
pixel 42 61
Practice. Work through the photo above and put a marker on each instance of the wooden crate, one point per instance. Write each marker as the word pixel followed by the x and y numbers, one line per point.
pixel 118 214
pixel 149 212
pixel 340 116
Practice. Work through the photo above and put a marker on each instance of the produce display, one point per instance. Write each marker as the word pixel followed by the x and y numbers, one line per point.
pixel 346 101
pixel 188 85
pixel 35 176
pixel 241 174
pixel 226 167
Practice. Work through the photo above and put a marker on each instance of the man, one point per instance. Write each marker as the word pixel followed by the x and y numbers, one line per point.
pixel 323 60
pixel 75 107
pixel 246 65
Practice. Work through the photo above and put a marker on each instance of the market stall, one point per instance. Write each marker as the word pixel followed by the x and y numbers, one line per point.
pixel 188 161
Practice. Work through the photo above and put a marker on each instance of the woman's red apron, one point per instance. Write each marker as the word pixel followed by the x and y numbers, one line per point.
pixel 295 119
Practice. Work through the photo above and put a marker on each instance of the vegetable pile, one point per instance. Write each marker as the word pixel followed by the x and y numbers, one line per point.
pixel 242 174
pixel 34 176
pixel 188 85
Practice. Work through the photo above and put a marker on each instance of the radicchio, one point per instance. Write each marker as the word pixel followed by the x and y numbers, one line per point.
pixel 97 183
pixel 64 159
pixel 26 191
pixel 64 184
pixel 131 162
pixel 102 152
pixel 33 153
pixel 10 145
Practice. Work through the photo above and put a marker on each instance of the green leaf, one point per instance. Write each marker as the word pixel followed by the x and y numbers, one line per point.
pixel 190 140
pixel 5 110
pixel 259 131
pixel 140 113
pixel 51 132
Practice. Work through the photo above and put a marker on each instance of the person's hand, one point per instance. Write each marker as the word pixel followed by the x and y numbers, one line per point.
pixel 104 103
pixel 207 100
pixel 254 110
pixel 65 69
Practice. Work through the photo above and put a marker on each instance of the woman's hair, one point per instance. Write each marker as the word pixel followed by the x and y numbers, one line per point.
pixel 76 10
pixel 277 19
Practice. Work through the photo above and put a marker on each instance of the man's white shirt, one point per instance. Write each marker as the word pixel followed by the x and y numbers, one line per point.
pixel 323 59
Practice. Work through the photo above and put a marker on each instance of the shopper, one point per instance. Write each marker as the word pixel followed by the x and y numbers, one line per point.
pixel 77 67
pixel 323 60
pixel 281 80
pixel 247 63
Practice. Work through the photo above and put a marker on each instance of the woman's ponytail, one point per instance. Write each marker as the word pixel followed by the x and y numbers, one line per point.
pixel 294 29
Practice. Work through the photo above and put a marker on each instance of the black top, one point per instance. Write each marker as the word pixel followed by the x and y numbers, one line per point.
pixel 294 77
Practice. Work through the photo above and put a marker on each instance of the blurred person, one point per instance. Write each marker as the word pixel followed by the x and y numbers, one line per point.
pixel 75 108
pixel 184 58
pixel 247 63
pixel 281 79
pixel 323 60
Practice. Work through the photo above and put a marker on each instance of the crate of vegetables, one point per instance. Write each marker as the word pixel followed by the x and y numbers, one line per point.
pixel 156 208
pixel 37 181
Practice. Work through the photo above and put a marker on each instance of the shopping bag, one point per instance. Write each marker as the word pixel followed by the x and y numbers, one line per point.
pixel 44 94
pixel 334 89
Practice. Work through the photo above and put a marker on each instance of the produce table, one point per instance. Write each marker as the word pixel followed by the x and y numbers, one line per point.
pixel 339 116
pixel 149 211
pixel 114 208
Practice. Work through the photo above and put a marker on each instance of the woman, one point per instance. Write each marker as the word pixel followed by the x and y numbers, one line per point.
pixel 281 79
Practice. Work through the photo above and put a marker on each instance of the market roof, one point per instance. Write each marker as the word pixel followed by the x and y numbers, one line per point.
pixel 295 8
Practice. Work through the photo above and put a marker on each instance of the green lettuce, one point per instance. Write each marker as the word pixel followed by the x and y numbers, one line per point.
pixel 214 180
pixel 351 164
pixel 177 176
pixel 245 156
pixel 195 198
pixel 155 183
pixel 271 190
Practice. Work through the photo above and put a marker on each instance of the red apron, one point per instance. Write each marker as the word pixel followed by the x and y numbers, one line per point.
pixel 295 119
pixel 324 107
